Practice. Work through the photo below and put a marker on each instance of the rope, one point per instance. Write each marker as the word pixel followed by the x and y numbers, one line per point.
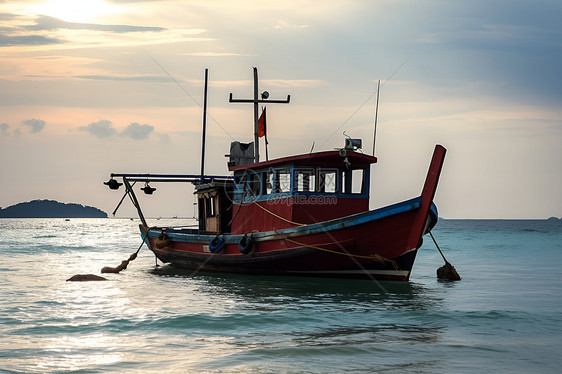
pixel 123 265
pixel 278 216
pixel 239 207
pixel 375 257
pixel 446 271
pixel 267 210
pixel 439 249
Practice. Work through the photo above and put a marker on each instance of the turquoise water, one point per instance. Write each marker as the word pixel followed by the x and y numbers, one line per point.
pixel 505 316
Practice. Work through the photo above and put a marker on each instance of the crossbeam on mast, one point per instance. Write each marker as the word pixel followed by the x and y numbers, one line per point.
pixel 256 100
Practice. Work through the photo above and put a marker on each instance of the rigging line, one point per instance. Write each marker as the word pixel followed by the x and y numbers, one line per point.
pixel 174 79
pixel 278 216
pixel 188 94
pixel 375 257
pixel 368 99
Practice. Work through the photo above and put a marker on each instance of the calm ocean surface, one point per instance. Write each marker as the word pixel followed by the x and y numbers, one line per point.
pixel 505 316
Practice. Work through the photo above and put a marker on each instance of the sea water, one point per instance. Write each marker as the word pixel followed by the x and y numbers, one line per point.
pixel 504 316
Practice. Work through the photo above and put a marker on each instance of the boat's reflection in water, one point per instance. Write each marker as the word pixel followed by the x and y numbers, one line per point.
pixel 274 292
pixel 260 287
pixel 290 314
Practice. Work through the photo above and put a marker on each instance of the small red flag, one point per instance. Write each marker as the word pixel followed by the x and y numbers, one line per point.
pixel 261 124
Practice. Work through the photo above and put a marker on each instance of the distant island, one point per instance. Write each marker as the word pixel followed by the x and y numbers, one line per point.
pixel 50 209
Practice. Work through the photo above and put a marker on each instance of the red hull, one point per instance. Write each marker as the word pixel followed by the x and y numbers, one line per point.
pixel 367 245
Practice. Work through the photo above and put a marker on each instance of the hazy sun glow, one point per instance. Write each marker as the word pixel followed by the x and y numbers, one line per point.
pixel 76 11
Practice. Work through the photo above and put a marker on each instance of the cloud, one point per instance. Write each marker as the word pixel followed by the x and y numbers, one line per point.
pixel 127 78
pixel 7 16
pixel 35 125
pixel 15 36
pixel 9 40
pixel 4 129
pixel 102 129
pixel 129 1
pixel 51 23
pixel 281 24
pixel 11 35
pixel 213 54
pixel 137 131
pixel 517 51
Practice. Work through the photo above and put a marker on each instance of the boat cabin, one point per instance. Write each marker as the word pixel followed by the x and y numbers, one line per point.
pixel 300 189
pixel 214 202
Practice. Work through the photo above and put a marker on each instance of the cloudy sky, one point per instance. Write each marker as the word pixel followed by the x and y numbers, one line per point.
pixel 93 87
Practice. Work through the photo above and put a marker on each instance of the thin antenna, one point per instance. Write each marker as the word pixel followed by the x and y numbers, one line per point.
pixel 204 127
pixel 366 101
pixel 311 148
pixel 376 117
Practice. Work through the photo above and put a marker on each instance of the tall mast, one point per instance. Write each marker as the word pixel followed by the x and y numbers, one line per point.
pixel 256 118
pixel 256 101
pixel 204 128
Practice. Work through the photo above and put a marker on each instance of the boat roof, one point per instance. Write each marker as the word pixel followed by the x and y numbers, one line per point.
pixel 331 159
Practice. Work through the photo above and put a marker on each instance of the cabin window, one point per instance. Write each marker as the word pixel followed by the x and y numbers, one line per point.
pixel 248 184
pixel 242 183
pixel 358 182
pixel 268 182
pixel 327 180
pixel 282 181
pixel 210 206
pixel 346 181
pixel 254 184
pixel 353 181
pixel 305 180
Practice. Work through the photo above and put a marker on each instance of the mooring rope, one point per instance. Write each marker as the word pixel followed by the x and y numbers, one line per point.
pixel 446 271
pixel 124 264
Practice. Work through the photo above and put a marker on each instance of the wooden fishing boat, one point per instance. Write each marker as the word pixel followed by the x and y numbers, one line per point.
pixel 305 215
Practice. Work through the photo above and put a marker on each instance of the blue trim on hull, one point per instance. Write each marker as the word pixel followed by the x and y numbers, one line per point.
pixel 188 236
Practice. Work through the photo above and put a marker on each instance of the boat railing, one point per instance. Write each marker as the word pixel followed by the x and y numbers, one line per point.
pixel 191 178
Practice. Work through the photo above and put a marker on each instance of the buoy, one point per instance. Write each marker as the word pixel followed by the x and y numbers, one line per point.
pixel 85 278
pixel 245 244
pixel 217 244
